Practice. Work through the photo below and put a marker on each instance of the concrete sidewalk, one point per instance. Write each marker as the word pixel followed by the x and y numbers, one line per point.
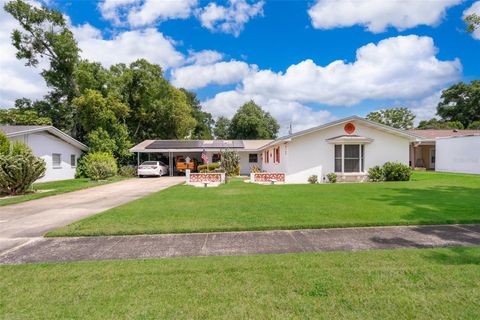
pixel 240 243
pixel 22 221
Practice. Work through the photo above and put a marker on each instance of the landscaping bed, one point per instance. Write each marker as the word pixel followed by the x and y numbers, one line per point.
pixel 430 198
pixel 394 284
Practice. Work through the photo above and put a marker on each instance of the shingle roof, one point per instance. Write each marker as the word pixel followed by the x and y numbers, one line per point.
pixel 432 134
pixel 14 129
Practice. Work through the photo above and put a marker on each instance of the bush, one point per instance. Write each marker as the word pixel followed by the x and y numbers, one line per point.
pixel 19 169
pixel 99 165
pixel 376 174
pixel 231 163
pixel 127 171
pixel 313 179
pixel 4 144
pixel 208 168
pixel 394 171
pixel 332 177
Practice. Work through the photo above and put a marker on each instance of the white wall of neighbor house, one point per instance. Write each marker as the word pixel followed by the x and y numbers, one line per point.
pixel 458 154
pixel 312 154
pixel 48 147
pixel 247 160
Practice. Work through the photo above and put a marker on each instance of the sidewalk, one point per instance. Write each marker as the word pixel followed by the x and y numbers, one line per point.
pixel 239 243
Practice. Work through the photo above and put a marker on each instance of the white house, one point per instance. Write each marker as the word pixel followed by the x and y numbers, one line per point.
pixel 348 147
pixel 59 150
pixel 459 154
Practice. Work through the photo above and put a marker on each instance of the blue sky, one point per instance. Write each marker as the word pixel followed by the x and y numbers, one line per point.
pixel 232 51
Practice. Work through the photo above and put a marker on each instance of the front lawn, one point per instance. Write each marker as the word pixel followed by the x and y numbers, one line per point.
pixel 47 189
pixel 430 198
pixel 395 284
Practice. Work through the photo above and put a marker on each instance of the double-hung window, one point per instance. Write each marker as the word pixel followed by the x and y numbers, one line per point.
pixel 56 160
pixel 349 158
pixel 73 160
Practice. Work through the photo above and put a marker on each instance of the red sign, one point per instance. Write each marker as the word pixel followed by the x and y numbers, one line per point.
pixel 349 128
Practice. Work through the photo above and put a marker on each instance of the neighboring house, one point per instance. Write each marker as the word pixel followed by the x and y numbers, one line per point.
pixel 423 152
pixel 348 147
pixel 459 154
pixel 58 149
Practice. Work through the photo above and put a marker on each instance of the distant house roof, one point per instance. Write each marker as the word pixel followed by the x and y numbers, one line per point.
pixel 432 134
pixel 14 131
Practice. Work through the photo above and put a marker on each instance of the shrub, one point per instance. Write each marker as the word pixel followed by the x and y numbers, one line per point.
pixel 127 171
pixel 208 168
pixel 313 179
pixel 376 174
pixel 231 163
pixel 394 171
pixel 4 144
pixel 19 169
pixel 99 165
pixel 332 177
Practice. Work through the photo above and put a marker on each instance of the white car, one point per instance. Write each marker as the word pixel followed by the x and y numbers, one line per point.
pixel 152 168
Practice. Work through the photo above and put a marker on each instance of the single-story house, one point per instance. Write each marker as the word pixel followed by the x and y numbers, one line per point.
pixel 59 150
pixel 348 147
pixel 459 154
pixel 423 153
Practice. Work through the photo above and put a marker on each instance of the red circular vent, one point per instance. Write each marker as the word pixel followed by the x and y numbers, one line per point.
pixel 349 128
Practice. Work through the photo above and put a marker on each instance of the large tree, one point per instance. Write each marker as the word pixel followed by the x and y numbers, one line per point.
pixel 252 122
pixel 15 116
pixel 400 118
pixel 473 22
pixel 44 34
pixel 205 122
pixel 222 128
pixel 440 124
pixel 461 102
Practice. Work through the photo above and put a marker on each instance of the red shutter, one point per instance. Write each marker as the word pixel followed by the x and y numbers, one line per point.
pixel 278 154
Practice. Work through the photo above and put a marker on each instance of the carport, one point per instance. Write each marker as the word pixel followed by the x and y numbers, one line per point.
pixel 167 150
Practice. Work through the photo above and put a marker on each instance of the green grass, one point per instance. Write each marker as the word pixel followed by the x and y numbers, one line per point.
pixel 56 187
pixel 395 284
pixel 430 198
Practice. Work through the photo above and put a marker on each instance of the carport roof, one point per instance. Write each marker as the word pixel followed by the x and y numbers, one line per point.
pixel 198 145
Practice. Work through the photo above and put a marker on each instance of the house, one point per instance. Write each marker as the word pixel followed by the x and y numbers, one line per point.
pixel 460 154
pixel 423 152
pixel 59 150
pixel 348 147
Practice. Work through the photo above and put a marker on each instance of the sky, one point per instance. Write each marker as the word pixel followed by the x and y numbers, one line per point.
pixel 305 62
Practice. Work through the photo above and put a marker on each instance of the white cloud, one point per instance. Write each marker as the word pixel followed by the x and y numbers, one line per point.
pixel 403 68
pixel 127 47
pixel 199 76
pixel 426 108
pixel 378 15
pixel 204 57
pixel 229 19
pixel 141 13
pixel 474 8
pixel 16 79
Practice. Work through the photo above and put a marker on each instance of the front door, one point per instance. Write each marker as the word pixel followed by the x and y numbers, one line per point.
pixel 432 158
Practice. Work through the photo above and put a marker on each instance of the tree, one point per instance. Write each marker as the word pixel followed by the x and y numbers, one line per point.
pixel 461 102
pixel 44 34
pixel 15 116
pixel 222 128
pixel 205 122
pixel 251 122
pixel 473 22
pixel 400 118
pixel 440 124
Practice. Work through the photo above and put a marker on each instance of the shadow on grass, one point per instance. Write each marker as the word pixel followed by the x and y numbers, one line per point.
pixel 455 256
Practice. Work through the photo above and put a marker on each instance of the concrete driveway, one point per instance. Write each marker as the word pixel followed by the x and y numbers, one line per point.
pixel 19 223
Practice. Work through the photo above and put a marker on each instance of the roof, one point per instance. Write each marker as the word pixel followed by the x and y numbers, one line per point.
pixel 13 131
pixel 198 145
pixel 432 134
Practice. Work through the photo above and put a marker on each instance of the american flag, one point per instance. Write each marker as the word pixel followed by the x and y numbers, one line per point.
pixel 204 157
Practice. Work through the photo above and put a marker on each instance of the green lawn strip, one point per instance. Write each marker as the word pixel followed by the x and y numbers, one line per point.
pixel 393 284
pixel 430 198
pixel 57 187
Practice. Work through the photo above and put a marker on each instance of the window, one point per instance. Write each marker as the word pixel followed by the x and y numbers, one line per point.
pixel 349 158
pixel 216 157
pixel 276 153
pixel 56 160
pixel 253 158
pixel 73 160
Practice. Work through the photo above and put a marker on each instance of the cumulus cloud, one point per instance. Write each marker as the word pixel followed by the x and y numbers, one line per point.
pixel 16 80
pixel 403 67
pixel 198 76
pixel 124 47
pixel 229 19
pixel 378 15
pixel 141 13
pixel 204 57
pixel 426 108
pixel 473 9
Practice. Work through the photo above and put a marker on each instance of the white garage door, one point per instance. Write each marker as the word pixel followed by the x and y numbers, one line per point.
pixel 458 154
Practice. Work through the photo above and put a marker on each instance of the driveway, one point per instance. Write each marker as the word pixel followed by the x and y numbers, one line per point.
pixel 21 222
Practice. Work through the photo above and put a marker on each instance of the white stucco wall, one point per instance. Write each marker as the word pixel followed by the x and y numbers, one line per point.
pixel 245 164
pixel 277 167
pixel 44 145
pixel 312 154
pixel 459 154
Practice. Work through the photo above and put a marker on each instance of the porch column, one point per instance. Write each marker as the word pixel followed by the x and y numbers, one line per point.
pixel 138 159
pixel 170 164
